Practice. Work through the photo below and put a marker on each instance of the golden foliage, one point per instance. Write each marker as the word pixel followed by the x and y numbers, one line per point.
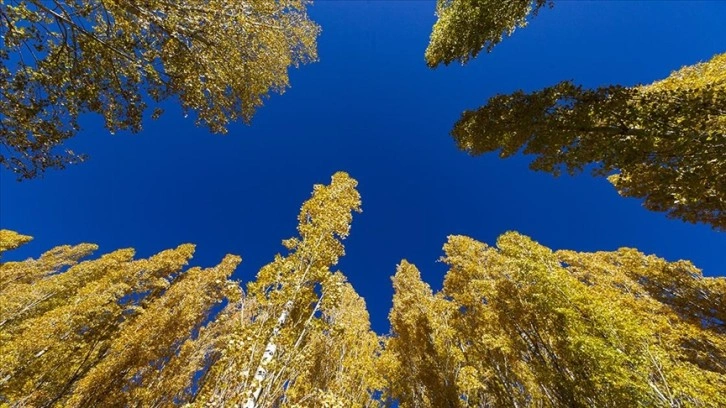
pixel 664 142
pixel 514 325
pixel 77 332
pixel 63 58
pixel 465 27
pixel 520 325
pixel 306 339
pixel 115 331
pixel 11 240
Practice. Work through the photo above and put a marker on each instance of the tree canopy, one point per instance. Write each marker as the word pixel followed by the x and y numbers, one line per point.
pixel 520 325
pixel 465 27
pixel 61 59
pixel 664 142
pixel 514 325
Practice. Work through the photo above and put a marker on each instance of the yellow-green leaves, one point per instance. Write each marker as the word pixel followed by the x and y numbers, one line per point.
pixel 521 325
pixel 325 218
pixel 11 240
pixel 423 354
pixel 465 27
pixel 514 325
pixel 95 332
pixel 664 143
pixel 145 346
pixel 117 331
pixel 341 367
pixel 63 58
pixel 304 339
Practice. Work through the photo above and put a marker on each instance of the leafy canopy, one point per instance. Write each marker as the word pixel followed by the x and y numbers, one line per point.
pixel 664 142
pixel 465 27
pixel 63 58
pixel 514 325
pixel 118 331
pixel 521 325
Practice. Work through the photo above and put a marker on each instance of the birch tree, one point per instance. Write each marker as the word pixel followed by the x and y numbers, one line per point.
pixel 306 340
pixel 119 331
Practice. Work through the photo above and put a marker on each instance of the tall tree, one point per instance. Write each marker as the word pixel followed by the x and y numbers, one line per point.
pixel 422 357
pixel 306 340
pixel 520 325
pixel 465 27
pixel 92 333
pixel 64 58
pixel 664 142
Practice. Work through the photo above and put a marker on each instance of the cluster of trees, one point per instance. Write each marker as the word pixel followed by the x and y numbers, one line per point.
pixel 664 142
pixel 520 325
pixel 118 331
pixel 515 325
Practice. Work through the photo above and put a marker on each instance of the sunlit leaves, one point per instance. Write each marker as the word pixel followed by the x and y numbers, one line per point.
pixel 664 142
pixel 466 27
pixel 521 325
pixel 305 338
pixel 85 332
pixel 11 240
pixel 116 331
pixel 514 325
pixel 423 353
pixel 61 59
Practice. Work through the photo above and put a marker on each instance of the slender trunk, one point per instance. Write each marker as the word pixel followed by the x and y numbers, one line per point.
pixel 271 347
pixel 267 356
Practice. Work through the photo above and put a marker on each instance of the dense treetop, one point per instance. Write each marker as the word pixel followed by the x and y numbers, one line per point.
pixel 520 325
pixel 664 142
pixel 466 27
pixel 63 58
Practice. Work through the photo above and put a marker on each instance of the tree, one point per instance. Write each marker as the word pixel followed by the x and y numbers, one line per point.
pixel 520 325
pixel 93 333
pixel 62 58
pixel 465 27
pixel 306 340
pixel 115 331
pixel 664 142
pixel 422 355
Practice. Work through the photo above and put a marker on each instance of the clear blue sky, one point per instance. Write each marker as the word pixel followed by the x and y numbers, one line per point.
pixel 371 107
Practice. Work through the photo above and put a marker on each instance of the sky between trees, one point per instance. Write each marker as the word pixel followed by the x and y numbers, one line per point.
pixel 371 107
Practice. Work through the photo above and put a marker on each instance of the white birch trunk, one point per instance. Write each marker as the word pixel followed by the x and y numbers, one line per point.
pixel 267 356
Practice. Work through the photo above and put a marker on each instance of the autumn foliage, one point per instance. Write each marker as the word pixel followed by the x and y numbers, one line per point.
pixel 515 325
pixel 62 59
pixel 520 325
pixel 664 142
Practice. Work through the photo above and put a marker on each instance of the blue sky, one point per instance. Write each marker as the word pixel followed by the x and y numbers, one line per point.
pixel 371 107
